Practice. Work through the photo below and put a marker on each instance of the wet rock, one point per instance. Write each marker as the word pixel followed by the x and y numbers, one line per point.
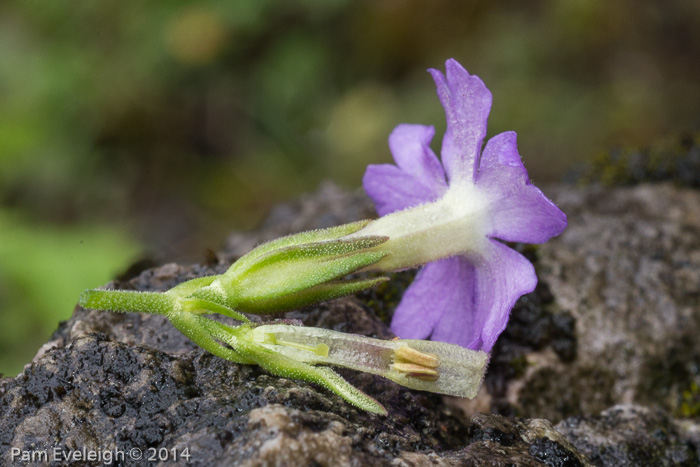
pixel 624 279
pixel 129 384
pixel 585 340
pixel 633 435
pixel 98 395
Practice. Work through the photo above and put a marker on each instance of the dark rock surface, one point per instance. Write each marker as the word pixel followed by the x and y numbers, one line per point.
pixel 625 277
pixel 613 321
pixel 634 435
pixel 120 382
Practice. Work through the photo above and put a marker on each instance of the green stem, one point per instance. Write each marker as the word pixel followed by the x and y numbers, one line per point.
pixel 128 300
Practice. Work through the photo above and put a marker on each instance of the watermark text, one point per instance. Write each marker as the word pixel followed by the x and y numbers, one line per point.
pixel 105 456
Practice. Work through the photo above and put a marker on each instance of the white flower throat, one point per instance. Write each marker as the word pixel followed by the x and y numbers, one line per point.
pixel 451 225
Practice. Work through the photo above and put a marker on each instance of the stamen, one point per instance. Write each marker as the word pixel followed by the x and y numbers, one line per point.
pixel 406 354
pixel 416 371
pixel 415 363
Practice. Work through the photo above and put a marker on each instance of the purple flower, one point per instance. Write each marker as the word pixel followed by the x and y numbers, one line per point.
pixel 452 216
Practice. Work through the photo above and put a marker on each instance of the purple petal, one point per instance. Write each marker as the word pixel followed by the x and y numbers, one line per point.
pixel 520 212
pixel 467 104
pixel 410 146
pixel 419 177
pixel 502 275
pixel 439 288
pixel 392 189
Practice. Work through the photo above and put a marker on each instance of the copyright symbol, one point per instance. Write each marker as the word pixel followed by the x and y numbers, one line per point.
pixel 135 454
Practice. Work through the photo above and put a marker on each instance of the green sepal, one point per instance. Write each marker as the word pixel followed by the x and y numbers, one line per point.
pixel 198 330
pixel 285 367
pixel 319 293
pixel 286 279
pixel 336 383
pixel 290 276
pixel 311 236
pixel 188 287
pixel 205 307
pixel 310 252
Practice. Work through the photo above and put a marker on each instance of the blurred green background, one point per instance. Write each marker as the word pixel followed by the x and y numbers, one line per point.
pixel 133 128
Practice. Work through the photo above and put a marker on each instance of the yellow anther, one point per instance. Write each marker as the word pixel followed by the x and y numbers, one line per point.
pixel 417 371
pixel 406 354
pixel 415 363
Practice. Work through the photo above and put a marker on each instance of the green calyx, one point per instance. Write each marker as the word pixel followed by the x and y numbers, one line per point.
pixel 288 273
pixel 294 272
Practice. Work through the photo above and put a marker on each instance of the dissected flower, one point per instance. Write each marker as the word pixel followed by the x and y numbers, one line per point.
pixel 452 216
pixel 447 217
pixel 292 272
pixel 419 364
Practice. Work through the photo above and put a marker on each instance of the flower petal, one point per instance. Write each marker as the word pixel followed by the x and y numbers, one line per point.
pixel 419 177
pixel 467 104
pixel 502 275
pixel 441 287
pixel 392 189
pixel 410 146
pixel 520 212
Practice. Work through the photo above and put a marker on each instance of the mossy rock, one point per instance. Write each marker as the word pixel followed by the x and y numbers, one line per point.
pixel 675 159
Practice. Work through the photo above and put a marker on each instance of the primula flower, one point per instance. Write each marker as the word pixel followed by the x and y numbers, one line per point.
pixel 446 218
pixel 455 213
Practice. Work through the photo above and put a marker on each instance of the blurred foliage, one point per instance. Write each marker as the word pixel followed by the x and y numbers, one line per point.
pixel 43 269
pixel 178 121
